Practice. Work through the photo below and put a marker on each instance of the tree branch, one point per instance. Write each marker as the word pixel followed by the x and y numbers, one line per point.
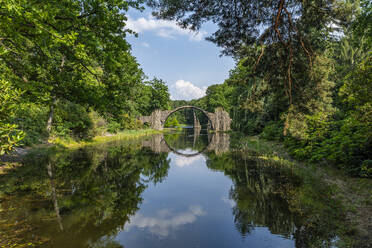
pixel 277 19
pixel 299 34
pixel 259 57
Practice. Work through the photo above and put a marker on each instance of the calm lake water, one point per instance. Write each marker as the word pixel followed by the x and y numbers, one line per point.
pixel 180 189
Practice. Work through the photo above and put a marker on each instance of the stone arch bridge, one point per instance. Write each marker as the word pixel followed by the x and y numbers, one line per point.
pixel 219 120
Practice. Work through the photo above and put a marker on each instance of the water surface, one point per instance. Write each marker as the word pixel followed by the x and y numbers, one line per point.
pixel 181 189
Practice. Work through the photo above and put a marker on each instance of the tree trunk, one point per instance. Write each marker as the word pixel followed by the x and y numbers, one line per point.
pixel 51 114
pixel 54 196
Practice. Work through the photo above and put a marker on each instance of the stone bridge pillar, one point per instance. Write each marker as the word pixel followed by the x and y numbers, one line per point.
pixel 155 120
pixel 222 120
pixel 196 121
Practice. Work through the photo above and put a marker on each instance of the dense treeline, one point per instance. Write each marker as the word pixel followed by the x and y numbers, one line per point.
pixel 66 70
pixel 303 73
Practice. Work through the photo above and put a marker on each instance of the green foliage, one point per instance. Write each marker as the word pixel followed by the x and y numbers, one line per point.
pixel 72 58
pixel 99 127
pixel 362 25
pixel 172 121
pixel 273 131
pixel 345 140
pixel 129 122
pixel 160 97
pixel 32 118
pixel 151 96
pixel 10 135
pixel 181 116
pixel 113 127
pixel 9 97
pixel 350 147
pixel 356 90
pixel 67 50
pixel 72 120
pixel 218 95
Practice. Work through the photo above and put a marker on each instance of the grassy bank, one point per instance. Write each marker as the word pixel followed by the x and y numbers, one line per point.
pixel 123 135
pixel 15 157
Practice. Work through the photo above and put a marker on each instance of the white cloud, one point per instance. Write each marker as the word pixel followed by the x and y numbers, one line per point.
pixel 182 161
pixel 185 90
pixel 145 44
pixel 165 220
pixel 163 28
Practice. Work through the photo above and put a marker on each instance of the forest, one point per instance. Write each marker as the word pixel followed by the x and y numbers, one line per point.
pixel 303 79
pixel 302 74
pixel 67 72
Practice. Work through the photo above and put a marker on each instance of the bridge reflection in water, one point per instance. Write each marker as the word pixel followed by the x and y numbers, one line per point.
pixel 197 139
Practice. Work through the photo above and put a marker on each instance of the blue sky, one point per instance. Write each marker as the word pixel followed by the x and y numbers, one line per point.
pixel 184 60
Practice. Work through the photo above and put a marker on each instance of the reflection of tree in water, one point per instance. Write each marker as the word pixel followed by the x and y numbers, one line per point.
pixel 98 189
pixel 196 139
pixel 277 197
pixel 259 200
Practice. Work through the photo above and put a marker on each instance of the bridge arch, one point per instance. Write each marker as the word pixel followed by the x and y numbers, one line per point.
pixel 170 112
pixel 219 120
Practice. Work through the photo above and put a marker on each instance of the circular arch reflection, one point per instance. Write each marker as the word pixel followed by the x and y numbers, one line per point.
pixel 197 152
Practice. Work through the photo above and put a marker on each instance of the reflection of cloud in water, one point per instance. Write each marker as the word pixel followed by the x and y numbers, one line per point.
pixel 165 220
pixel 181 161
pixel 186 161
pixel 230 202
pixel 187 151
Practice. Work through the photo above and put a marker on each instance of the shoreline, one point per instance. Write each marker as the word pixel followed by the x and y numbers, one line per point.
pixel 19 152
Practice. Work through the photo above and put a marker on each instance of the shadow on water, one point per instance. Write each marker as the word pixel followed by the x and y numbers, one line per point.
pixel 152 193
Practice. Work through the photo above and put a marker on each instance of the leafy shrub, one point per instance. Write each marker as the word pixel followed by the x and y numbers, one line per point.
pixel 346 143
pixel 129 122
pixel 250 126
pixel 273 131
pixel 172 122
pixel 99 126
pixel 350 146
pixel 10 136
pixel 113 126
pixel 32 119
pixel 73 120
pixel 366 168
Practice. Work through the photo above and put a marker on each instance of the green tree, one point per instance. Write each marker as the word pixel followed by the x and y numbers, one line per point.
pixel 73 50
pixel 154 95
pixel 160 95
pixel 218 95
